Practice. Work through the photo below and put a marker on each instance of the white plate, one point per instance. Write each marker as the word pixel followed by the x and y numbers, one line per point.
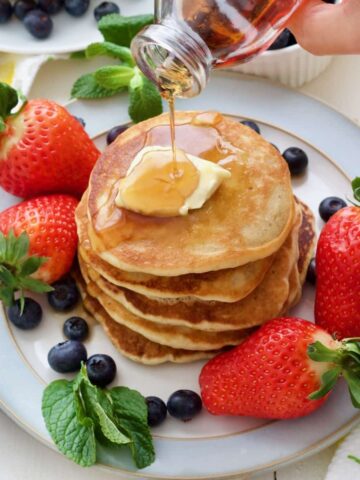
pixel 69 34
pixel 207 447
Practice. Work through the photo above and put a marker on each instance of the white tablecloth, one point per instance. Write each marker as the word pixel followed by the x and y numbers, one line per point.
pixel 22 457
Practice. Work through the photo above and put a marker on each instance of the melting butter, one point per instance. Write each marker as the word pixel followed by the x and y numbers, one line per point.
pixel 155 185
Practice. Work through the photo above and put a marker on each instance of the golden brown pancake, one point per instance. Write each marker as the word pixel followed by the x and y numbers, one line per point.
pixel 247 219
pixel 265 302
pixel 228 285
pixel 131 344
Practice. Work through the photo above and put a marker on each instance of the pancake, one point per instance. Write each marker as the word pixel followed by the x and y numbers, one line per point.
pixel 131 344
pixel 247 219
pixel 228 285
pixel 173 336
pixel 265 302
pixel 307 241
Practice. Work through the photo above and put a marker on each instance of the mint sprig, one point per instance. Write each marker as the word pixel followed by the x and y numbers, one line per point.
pixel 16 268
pixel 118 31
pixel 121 30
pixel 79 416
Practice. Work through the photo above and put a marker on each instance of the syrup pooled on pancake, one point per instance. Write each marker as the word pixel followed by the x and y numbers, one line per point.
pixel 154 187
pixel 246 219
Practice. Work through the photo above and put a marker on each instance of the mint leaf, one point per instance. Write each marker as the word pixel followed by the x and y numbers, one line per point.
pixel 145 99
pixel 71 430
pixel 110 50
pixel 87 87
pixel 114 77
pixel 356 188
pixel 131 416
pixel 109 429
pixel 8 101
pixel 99 408
pixel 121 30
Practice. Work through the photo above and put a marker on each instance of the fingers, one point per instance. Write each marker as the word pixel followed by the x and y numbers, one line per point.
pixel 326 29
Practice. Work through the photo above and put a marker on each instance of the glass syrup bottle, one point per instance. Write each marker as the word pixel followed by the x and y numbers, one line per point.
pixel 190 37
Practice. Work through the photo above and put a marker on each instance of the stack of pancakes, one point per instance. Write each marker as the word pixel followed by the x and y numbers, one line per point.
pixel 181 288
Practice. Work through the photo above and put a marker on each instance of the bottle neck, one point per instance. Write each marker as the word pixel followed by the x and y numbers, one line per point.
pixel 174 59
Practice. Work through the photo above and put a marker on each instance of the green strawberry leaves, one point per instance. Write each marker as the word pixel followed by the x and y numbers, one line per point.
pixel 328 382
pixel 80 417
pixel 345 361
pixel 356 188
pixel 16 268
pixel 8 101
pixel 118 31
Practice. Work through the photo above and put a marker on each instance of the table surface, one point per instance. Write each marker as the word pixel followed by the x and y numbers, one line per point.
pixel 22 457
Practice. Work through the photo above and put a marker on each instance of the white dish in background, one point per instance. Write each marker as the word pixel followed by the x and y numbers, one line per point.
pixel 69 34
pixel 207 447
pixel 293 66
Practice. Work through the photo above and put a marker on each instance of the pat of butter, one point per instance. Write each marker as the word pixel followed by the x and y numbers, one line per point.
pixel 210 175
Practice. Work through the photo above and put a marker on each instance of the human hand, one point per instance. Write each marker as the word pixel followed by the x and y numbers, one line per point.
pixel 326 29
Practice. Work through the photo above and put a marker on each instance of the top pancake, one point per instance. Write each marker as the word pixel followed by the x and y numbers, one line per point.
pixel 247 219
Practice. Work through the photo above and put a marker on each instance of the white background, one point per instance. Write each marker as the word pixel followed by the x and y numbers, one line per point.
pixel 22 457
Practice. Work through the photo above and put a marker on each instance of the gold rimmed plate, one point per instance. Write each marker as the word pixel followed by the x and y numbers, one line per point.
pixel 208 447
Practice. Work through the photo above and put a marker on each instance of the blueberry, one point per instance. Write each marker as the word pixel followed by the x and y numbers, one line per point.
pixel 80 120
pixel 67 356
pixel 105 8
pixel 115 132
pixel 50 6
pixel 22 7
pixel 184 405
pixel 311 272
pixel 254 126
pixel 285 39
pixel 77 8
pixel 76 328
pixel 6 11
pixel 31 316
pixel 38 23
pixel 101 369
pixel 65 294
pixel 296 159
pixel 157 411
pixel 329 206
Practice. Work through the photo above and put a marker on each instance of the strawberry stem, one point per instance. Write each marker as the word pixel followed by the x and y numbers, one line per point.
pixel 345 361
pixel 356 192
pixel 16 268
pixel 8 101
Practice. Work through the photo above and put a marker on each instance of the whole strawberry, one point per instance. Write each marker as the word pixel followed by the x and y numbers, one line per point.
pixel 337 304
pixel 43 148
pixel 274 373
pixel 49 222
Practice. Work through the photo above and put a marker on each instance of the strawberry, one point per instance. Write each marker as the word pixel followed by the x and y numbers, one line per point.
pixel 43 148
pixel 337 303
pixel 49 222
pixel 275 373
